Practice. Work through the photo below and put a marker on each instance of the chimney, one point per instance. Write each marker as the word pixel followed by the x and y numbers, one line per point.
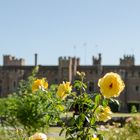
pixel 35 59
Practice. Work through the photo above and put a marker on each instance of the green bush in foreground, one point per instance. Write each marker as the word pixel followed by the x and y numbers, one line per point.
pixel 33 107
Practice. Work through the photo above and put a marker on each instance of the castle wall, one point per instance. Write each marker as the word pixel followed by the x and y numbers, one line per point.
pixel 66 71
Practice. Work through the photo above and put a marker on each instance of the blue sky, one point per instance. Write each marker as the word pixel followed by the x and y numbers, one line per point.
pixel 81 28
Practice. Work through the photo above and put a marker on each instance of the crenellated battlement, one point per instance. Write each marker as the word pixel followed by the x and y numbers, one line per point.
pixel 127 60
pixel 68 67
pixel 66 61
pixel 9 60
pixel 97 60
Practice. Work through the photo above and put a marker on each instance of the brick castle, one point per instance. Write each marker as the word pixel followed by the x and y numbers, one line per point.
pixel 13 70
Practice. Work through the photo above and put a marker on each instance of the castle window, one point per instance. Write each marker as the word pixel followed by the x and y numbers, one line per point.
pixel 137 88
pixel 126 74
pixel 122 73
pixel 14 84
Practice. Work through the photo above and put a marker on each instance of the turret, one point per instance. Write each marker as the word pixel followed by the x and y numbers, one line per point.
pixel 9 60
pixel 97 61
pixel 127 60
pixel 68 68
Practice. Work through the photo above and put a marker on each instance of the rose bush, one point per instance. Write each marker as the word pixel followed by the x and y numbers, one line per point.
pixel 88 108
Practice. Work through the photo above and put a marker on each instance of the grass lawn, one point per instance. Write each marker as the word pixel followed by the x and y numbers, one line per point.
pixel 54 132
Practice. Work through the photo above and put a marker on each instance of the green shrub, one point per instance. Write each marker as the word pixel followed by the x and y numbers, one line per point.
pixel 32 111
pixel 133 109
pixel 131 106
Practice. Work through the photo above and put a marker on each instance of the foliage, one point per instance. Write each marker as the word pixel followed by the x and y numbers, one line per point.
pixel 114 105
pixel 88 110
pixel 32 110
pixel 133 109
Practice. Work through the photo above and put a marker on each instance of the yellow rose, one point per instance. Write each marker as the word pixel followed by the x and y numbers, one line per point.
pixel 103 113
pixel 64 89
pixel 39 84
pixel 38 136
pixel 95 138
pixel 111 85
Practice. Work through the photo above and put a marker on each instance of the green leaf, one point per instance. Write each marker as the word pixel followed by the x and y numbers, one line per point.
pixel 105 102
pixel 62 130
pixel 70 139
pixel 72 121
pixel 100 137
pixel 114 101
pixel 80 120
pixel 92 121
pixel 87 119
pixel 97 99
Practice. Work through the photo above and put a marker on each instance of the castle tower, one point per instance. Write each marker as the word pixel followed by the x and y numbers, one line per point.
pixel 9 60
pixel 97 63
pixel 127 60
pixel 67 68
